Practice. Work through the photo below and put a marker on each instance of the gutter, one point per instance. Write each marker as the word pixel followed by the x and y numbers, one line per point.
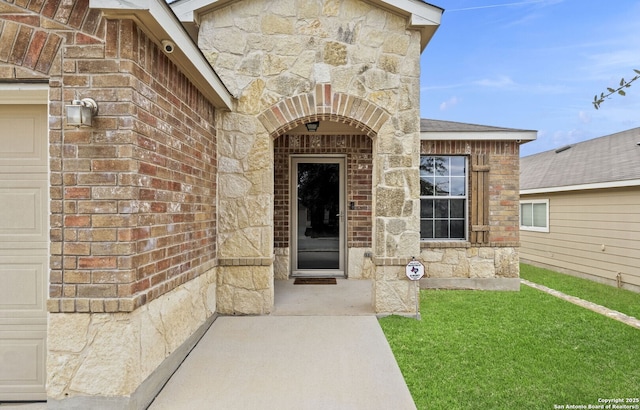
pixel 516 135
pixel 582 187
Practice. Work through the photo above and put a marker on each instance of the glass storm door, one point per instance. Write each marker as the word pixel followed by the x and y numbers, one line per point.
pixel 318 217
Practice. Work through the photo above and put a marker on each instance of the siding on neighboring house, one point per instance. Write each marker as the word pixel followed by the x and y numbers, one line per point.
pixel 593 193
pixel 593 233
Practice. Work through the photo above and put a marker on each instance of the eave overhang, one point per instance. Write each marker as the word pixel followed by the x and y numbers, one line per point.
pixel 521 136
pixel 422 16
pixel 582 187
pixel 159 23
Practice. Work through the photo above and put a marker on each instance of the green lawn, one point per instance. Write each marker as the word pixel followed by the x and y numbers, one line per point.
pixel 512 350
pixel 621 300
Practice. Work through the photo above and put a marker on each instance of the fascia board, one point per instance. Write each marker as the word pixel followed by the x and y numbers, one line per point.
pixel 159 23
pixel 424 17
pixel 582 187
pixel 188 11
pixel 524 136
pixel 422 13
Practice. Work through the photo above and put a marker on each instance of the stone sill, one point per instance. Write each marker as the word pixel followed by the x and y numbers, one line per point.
pixel 465 244
pixel 245 261
pixel 444 244
pixel 94 305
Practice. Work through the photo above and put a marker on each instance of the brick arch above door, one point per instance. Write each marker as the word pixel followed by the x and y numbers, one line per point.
pixel 323 104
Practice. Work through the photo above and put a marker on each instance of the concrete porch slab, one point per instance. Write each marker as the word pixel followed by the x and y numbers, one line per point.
pixel 346 298
pixel 289 362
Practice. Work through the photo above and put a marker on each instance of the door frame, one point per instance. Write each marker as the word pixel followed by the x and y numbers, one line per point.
pixel 294 160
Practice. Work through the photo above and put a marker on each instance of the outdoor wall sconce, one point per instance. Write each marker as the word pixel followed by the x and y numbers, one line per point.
pixel 312 126
pixel 80 113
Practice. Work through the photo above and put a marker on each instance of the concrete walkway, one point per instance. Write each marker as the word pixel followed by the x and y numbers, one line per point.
pixel 289 362
pixel 322 348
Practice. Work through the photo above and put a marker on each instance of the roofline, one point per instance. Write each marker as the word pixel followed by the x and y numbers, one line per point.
pixel 523 136
pixel 582 187
pixel 422 16
pixel 159 23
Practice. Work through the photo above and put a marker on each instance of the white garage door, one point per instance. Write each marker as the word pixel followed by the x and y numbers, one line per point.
pixel 24 235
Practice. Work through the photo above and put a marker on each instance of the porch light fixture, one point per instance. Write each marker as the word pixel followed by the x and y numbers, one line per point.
pixel 312 126
pixel 80 113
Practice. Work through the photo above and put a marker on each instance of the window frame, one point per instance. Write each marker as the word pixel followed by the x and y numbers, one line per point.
pixel 466 198
pixel 534 228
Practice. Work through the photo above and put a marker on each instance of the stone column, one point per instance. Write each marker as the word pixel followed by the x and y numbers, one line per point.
pixel 245 220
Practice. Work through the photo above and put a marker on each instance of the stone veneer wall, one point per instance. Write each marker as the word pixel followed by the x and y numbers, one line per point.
pixel 468 264
pixel 119 360
pixel 290 62
pixel 132 199
pixel 359 164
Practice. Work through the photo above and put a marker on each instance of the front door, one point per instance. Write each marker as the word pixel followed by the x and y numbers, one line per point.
pixel 318 216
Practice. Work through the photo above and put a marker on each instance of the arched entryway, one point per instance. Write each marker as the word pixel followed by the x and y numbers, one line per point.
pixel 323 201
pixel 343 142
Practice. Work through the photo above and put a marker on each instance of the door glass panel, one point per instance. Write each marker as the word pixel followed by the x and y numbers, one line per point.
pixel 318 216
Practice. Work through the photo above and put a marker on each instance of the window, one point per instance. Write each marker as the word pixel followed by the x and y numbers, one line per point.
pixel 443 197
pixel 534 215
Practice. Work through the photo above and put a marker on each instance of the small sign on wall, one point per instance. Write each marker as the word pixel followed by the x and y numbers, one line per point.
pixel 415 270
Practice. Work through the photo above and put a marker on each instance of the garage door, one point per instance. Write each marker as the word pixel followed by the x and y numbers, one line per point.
pixel 24 232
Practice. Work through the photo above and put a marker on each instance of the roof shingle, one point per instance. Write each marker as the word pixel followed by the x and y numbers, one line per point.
pixel 450 126
pixel 611 158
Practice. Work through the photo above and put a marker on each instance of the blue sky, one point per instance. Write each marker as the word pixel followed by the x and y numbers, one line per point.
pixel 534 64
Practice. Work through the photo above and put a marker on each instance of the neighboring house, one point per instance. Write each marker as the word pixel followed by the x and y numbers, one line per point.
pixel 580 209
pixel 235 143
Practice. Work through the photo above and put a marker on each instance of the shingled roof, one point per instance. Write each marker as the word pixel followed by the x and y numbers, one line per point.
pixel 605 160
pixel 428 125
pixel 449 130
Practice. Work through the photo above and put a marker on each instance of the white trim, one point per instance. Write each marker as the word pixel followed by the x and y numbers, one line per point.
pixel 534 228
pixel 582 187
pixel 187 11
pixel 24 93
pixel 422 16
pixel 467 205
pixel 159 23
pixel 518 136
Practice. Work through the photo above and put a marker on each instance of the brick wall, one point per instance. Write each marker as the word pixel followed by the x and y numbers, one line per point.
pixel 358 151
pixel 504 178
pixel 132 198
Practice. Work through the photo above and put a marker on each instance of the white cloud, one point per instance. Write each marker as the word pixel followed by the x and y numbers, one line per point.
pixel 442 87
pixel 519 3
pixel 450 103
pixel 501 81
pixel 561 138
pixel 584 117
